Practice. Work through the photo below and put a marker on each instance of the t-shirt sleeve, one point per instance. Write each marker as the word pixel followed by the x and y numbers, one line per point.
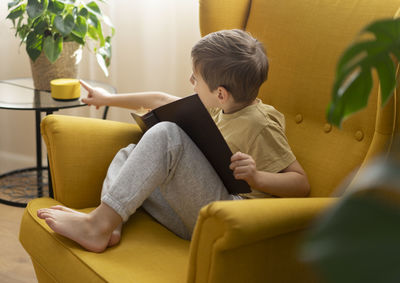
pixel 271 150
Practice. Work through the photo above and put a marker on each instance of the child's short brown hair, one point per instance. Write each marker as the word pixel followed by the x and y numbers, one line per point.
pixel 234 60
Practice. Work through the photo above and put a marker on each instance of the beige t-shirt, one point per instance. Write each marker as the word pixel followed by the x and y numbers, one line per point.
pixel 257 130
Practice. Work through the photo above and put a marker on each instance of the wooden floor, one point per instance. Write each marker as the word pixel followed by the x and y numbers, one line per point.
pixel 15 264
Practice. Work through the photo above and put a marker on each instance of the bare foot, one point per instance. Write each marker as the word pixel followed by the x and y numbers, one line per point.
pixel 66 209
pixel 115 235
pixel 92 231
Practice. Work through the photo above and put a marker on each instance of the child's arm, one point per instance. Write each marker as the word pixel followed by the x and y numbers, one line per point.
pixel 290 182
pixel 149 100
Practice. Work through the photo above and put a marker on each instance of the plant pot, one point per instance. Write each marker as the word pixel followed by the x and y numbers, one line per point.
pixel 66 66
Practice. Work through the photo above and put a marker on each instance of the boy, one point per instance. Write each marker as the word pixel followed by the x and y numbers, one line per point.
pixel 167 174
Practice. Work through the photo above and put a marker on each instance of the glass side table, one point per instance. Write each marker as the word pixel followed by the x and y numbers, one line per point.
pixel 19 186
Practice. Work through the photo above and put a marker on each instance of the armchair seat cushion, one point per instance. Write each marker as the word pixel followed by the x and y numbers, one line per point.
pixel 151 253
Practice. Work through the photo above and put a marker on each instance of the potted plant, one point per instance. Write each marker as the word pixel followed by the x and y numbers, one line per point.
pixel 54 32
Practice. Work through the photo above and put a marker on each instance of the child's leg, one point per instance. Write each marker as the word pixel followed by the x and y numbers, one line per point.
pixel 165 158
pixel 155 204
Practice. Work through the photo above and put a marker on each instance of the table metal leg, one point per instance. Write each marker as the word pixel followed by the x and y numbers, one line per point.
pixel 39 154
pixel 51 194
pixel 19 186
pixel 105 112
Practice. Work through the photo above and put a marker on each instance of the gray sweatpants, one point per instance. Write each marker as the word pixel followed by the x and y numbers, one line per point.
pixel 167 174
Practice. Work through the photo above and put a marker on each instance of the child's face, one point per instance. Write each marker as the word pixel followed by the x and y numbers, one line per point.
pixel 209 98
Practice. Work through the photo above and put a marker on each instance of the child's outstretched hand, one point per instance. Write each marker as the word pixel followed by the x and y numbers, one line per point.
pixel 244 167
pixel 96 96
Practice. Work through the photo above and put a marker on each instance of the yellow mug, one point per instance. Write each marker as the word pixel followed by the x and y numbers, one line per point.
pixel 65 89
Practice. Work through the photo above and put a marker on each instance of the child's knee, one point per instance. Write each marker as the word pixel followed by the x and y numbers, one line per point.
pixel 167 125
pixel 164 132
pixel 164 128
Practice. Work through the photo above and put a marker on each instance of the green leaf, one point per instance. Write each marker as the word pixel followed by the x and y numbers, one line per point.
pixel 357 241
pixel 365 55
pixel 351 57
pixel 16 13
pixel 106 49
pixel 102 63
pixel 84 13
pixel 35 8
pixel 396 53
pixel 99 32
pixel 80 28
pixel 56 7
pixel 77 39
pixel 352 96
pixel 34 45
pixel 93 20
pixel 387 76
pixel 92 31
pixel 67 1
pixel 19 25
pixel 40 26
pixel 13 3
pixel 105 52
pixel 94 8
pixel 385 30
pixel 52 48
pixel 22 32
pixel 65 25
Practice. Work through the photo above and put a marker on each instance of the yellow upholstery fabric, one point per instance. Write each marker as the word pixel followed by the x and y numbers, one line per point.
pixel 81 172
pixel 223 14
pixel 252 241
pixel 238 241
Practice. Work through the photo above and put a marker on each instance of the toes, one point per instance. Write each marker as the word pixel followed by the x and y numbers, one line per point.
pixel 58 207
pixel 41 213
pixel 62 208
pixel 44 215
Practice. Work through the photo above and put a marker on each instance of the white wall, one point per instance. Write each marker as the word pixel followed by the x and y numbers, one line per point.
pixel 151 51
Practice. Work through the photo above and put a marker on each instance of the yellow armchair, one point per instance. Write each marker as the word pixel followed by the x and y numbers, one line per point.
pixel 245 241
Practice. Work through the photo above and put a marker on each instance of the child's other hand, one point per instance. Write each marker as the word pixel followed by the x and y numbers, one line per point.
pixel 244 167
pixel 96 96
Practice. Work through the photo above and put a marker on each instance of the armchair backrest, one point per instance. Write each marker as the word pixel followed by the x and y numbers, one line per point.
pixel 304 40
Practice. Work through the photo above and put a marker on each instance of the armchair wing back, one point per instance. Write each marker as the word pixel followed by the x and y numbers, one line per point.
pixel 304 40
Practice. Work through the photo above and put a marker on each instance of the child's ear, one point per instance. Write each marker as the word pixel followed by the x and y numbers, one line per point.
pixel 222 94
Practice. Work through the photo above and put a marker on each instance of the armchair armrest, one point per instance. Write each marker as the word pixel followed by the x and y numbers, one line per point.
pixel 80 151
pixel 252 240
